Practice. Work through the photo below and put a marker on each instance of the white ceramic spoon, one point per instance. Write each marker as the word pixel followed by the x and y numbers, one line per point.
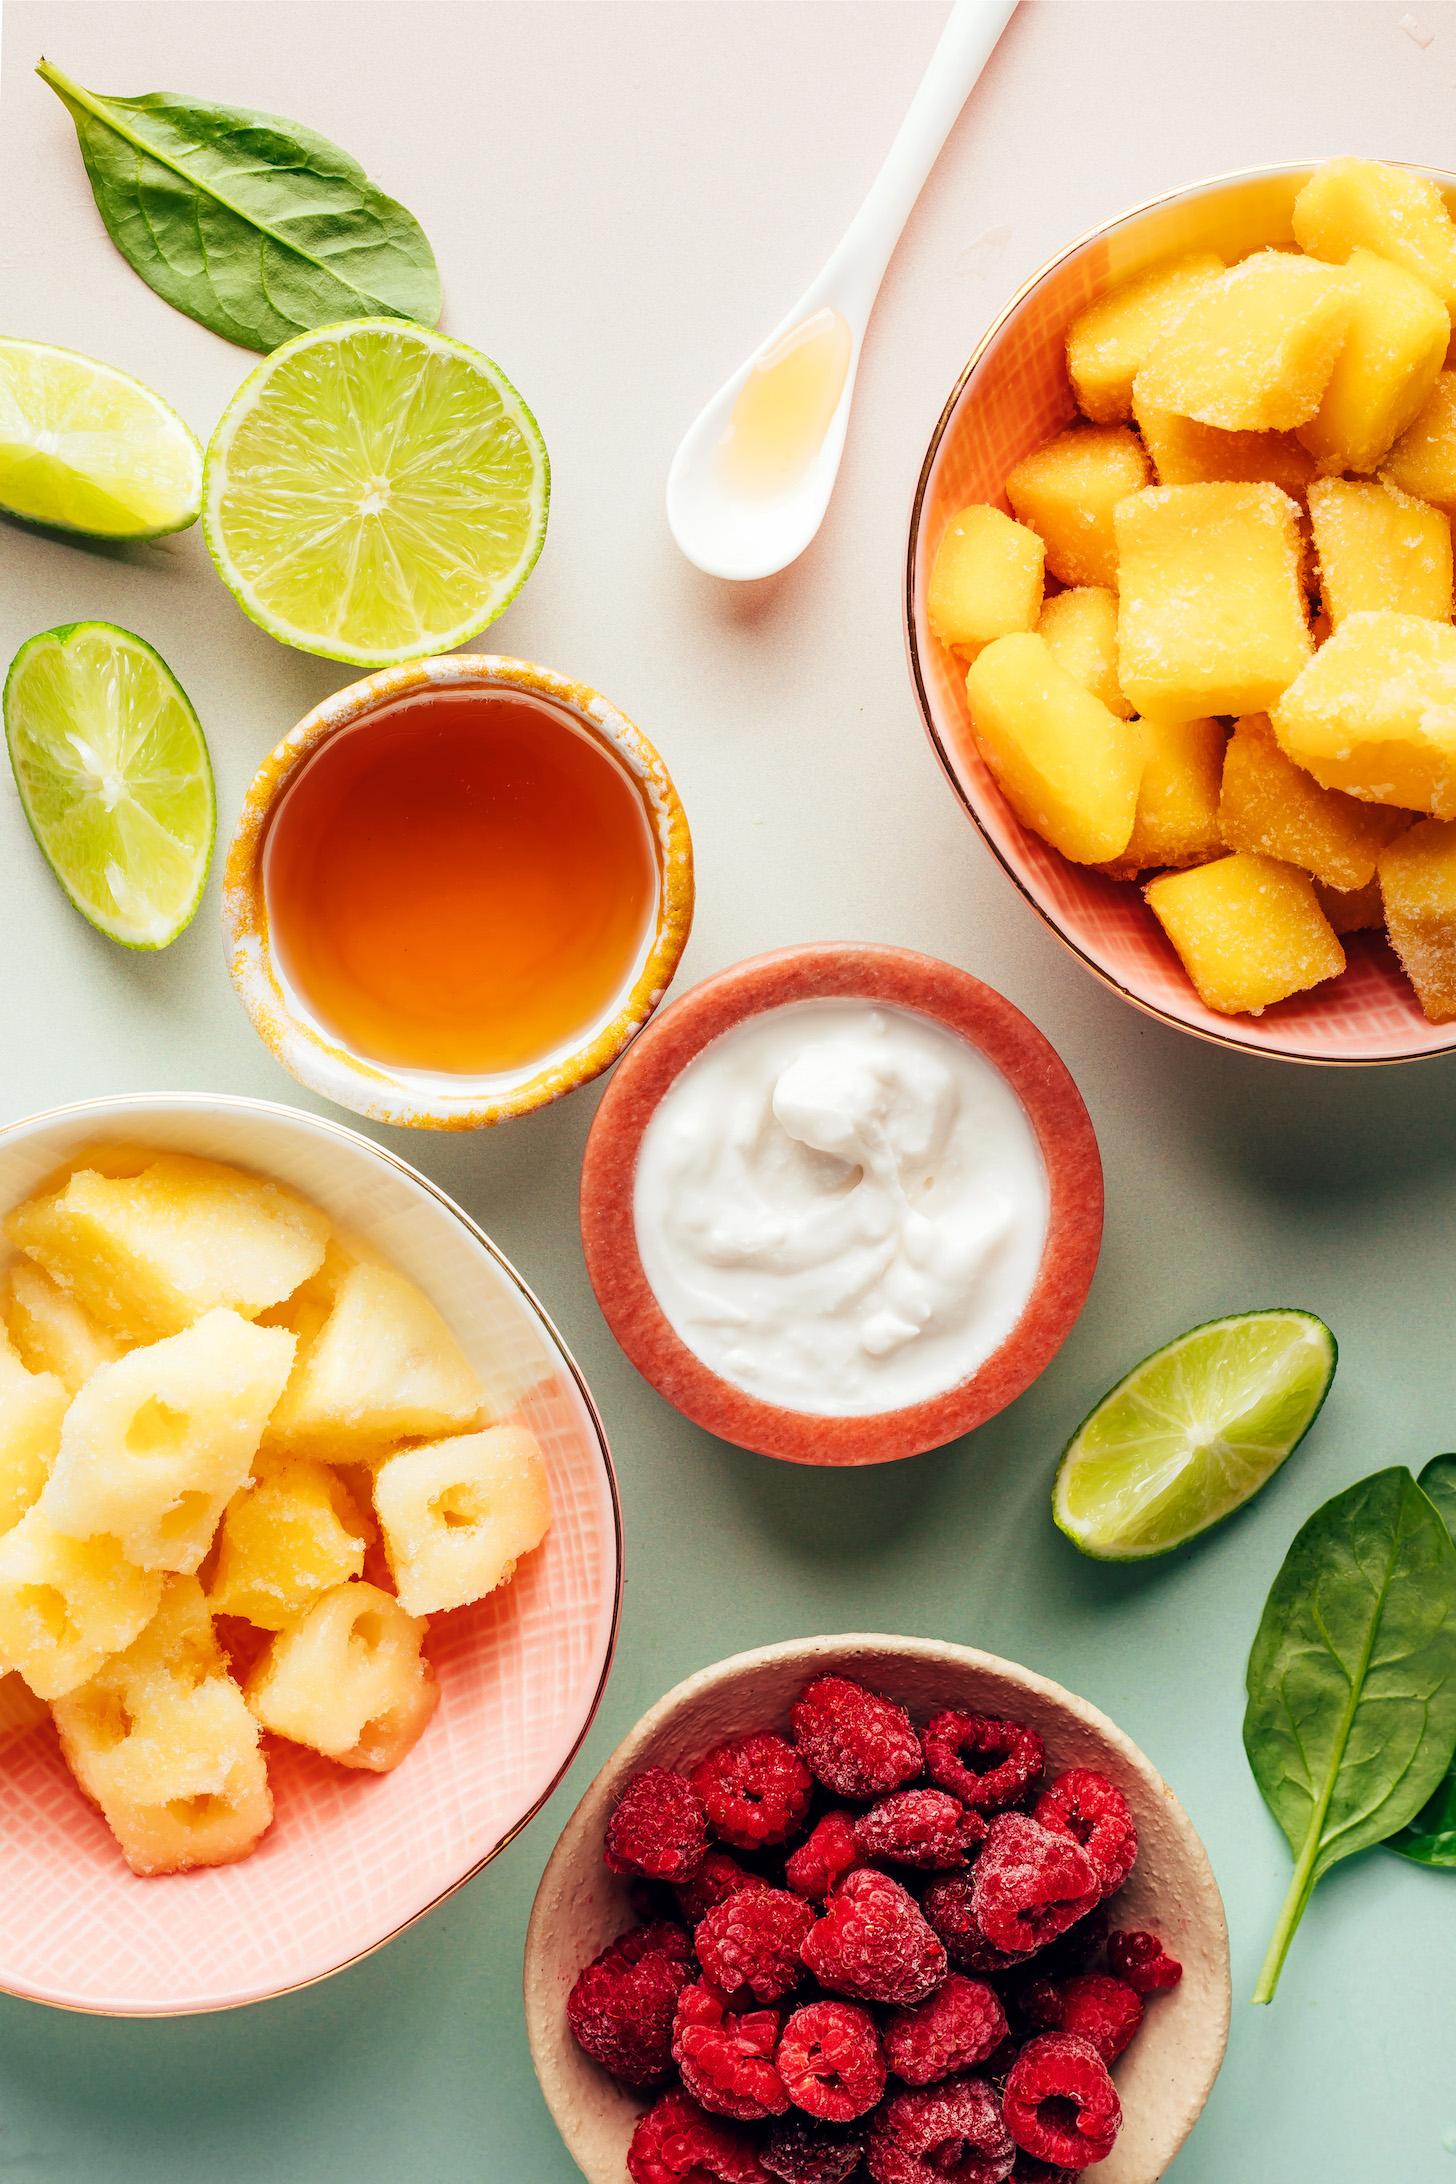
pixel 730 531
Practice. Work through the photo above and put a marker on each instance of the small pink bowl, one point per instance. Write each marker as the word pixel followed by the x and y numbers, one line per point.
pixel 898 978
pixel 1013 395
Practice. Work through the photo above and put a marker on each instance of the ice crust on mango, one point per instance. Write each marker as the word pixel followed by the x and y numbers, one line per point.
pixel 1080 627
pixel 1393 349
pixel 1379 551
pixel 383 1367
pixel 1248 930
pixel 349 1680
pixel 1374 713
pixel 67 1604
pixel 1187 453
pixel 1254 348
pixel 1418 891
pixel 1349 204
pixel 986 579
pixel 1176 822
pixel 1106 343
pixel 49 1331
pixel 1423 460
pixel 457 1515
pixel 1271 805
pixel 293 1532
pixel 1067 766
pixel 1066 492
pixel 32 1406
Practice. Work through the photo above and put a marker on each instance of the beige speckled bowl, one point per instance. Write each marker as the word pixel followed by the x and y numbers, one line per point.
pixel 1165 2076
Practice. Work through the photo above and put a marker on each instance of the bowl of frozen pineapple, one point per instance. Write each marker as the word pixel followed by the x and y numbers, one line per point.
pixel 310 1552
pixel 1179 606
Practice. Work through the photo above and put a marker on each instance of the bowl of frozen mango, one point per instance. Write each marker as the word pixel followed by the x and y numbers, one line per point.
pixel 1179 606
pixel 310 1552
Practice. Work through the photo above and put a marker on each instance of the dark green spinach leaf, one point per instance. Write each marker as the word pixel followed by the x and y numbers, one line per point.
pixel 1430 1839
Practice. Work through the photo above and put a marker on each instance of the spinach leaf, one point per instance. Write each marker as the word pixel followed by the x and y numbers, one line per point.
pixel 1351 1718
pixel 1430 1839
pixel 253 226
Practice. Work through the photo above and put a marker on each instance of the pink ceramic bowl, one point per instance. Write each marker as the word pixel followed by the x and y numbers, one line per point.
pixel 1012 395
pixel 898 978
pixel 351 1859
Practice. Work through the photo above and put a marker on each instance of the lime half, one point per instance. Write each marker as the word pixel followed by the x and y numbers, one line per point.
pixel 114 776
pixel 1192 1433
pixel 84 447
pixel 375 492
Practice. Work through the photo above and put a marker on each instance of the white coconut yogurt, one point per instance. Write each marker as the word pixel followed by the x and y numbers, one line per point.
pixel 841 1207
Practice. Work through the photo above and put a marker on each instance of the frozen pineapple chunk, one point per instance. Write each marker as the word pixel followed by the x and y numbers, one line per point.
pixel 50 1332
pixel 458 1515
pixel 1423 460
pixel 146 1255
pixel 1254 348
pixel 66 1604
pixel 1067 490
pixel 986 579
pixel 383 1367
pixel 349 1680
pixel 1187 453
pixel 1352 909
pixel 1211 615
pixel 1379 550
pixel 1272 805
pixel 1374 713
pixel 1107 342
pixel 155 1446
pixel 291 1533
pixel 1248 930
pixel 1352 203
pixel 20 1709
pixel 1393 348
pixel 1177 807
pixel 1080 626
pixel 32 1406
pixel 1418 890
pixel 1068 767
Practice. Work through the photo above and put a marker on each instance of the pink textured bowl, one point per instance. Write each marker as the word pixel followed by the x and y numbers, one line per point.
pixel 351 1859
pixel 1012 395
pixel 896 978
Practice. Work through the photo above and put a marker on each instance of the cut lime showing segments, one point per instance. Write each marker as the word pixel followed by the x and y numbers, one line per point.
pixel 1192 1432
pixel 114 775
pixel 84 447
pixel 375 492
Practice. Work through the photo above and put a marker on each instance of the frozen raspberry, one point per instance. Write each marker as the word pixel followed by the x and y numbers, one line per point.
pixel 952 2131
pixel 1101 2009
pixel 621 2009
pixel 1143 1962
pixel 1060 2105
pixel 1077 1950
pixel 1029 1884
pixel 749 1946
pixel 987 1764
pixel 1029 2170
pixel 675 2143
pixel 949 1905
pixel 717 1878
pixel 857 1744
pixel 873 1943
pixel 726 2059
pixel 924 1828
pixel 831 2060
pixel 801 2151
pixel 755 1790
pixel 1037 2002
pixel 827 1853
pixel 1094 1812
pixel 657 1827
pixel 955 2030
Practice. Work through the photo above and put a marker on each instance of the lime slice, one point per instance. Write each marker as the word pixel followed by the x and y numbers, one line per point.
pixel 1192 1433
pixel 86 448
pixel 375 492
pixel 114 776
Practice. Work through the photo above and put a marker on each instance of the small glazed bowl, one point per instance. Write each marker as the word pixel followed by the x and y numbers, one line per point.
pixel 351 1859
pixel 896 978
pixel 1165 2076
pixel 429 1100
pixel 1013 395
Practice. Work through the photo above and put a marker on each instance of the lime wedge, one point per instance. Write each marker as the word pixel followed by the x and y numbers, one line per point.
pixel 114 776
pixel 374 492
pixel 86 448
pixel 1192 1433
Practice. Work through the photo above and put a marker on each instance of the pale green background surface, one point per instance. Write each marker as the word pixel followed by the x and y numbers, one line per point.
pixel 620 197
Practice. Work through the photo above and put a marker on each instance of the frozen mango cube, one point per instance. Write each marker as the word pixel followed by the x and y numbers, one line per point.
pixel 1379 550
pixel 1374 713
pixel 1272 805
pixel 986 579
pixel 49 1331
pixel 155 1446
pixel 383 1367
pixel 1352 909
pixel 1211 615
pixel 1187 453
pixel 457 1515
pixel 1418 890
pixel 1107 342
pixel 1393 349
pixel 293 1532
pixel 1349 204
pixel 1253 349
pixel 1423 460
pixel 32 1406
pixel 66 1604
pixel 148 1254
pixel 1067 490
pixel 1248 931
pixel 1068 767
pixel 1177 808
pixel 349 1680
pixel 1080 627
pixel 20 1709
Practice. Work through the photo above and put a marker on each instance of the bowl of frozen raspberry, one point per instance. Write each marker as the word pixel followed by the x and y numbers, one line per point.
pixel 876 1910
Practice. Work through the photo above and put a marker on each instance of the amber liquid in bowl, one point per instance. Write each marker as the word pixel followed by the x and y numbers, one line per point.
pixel 464 881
